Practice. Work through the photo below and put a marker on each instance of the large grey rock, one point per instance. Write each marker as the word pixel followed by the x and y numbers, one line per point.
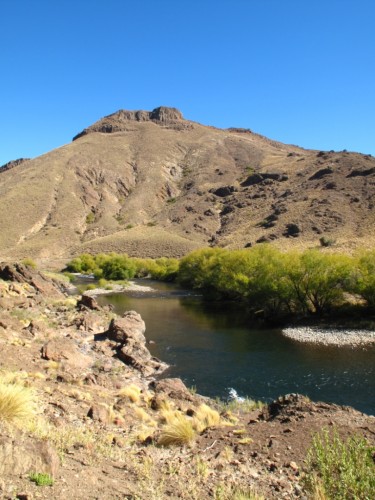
pixel 130 326
pixel 128 332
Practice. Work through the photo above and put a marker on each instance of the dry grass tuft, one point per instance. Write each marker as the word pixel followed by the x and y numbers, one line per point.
pixel 16 403
pixel 79 395
pixel 206 417
pixel 179 431
pixel 144 416
pixel 131 392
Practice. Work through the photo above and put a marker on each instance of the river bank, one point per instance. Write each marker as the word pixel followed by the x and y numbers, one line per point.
pixel 100 417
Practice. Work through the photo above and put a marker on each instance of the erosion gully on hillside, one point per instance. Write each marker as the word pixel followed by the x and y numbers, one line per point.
pixel 154 183
pixel 101 414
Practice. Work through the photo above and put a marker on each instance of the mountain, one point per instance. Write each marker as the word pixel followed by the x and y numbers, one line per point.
pixel 151 183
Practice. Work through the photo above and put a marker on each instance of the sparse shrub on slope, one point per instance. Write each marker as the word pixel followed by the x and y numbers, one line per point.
pixel 340 470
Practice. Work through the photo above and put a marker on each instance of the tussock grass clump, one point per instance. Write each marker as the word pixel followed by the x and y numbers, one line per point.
pixel 206 417
pixel 144 416
pixel 179 431
pixel 340 470
pixel 16 403
pixel 131 392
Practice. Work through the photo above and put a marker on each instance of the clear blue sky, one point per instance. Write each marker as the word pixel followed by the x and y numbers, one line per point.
pixel 299 71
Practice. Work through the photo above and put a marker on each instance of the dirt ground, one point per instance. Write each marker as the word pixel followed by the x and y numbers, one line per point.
pixel 103 438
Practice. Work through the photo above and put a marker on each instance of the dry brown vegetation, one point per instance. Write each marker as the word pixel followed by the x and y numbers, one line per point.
pixel 163 188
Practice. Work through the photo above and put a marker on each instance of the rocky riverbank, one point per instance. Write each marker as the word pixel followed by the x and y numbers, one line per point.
pixel 102 420
pixel 331 336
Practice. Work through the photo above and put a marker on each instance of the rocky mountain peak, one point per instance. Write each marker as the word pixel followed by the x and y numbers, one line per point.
pixel 162 115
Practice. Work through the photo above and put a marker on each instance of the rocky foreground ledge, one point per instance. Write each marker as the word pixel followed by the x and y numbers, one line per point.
pixel 101 409
pixel 331 336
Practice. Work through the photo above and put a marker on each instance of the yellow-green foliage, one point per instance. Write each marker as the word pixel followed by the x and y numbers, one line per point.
pixel 16 403
pixel 41 479
pixel 29 263
pixel 179 431
pixel 340 470
pixel 365 283
pixel 274 282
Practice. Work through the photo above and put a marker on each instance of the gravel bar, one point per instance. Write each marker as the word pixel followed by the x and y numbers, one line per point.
pixel 330 336
pixel 130 287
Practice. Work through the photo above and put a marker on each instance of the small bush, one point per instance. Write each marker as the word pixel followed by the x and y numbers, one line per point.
pixel 90 218
pixel 16 403
pixel 326 242
pixel 340 470
pixel 178 432
pixel 41 479
pixel 29 263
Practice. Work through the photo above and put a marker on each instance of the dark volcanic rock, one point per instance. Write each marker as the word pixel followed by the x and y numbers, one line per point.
pixel 292 230
pixel 258 178
pixel 362 173
pixel 321 173
pixel 12 164
pixel 224 191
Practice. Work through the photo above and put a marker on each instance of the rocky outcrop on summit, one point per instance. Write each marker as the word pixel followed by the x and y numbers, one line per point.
pixel 12 164
pixel 119 121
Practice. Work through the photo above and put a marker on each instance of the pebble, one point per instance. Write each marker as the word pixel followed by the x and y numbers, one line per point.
pixel 330 336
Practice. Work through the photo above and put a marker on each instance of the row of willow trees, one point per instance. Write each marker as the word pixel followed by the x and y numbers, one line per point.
pixel 267 279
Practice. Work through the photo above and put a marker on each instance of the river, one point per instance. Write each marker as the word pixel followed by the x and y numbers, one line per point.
pixel 212 348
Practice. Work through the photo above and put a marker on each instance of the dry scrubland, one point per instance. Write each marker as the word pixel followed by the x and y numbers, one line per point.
pixel 163 186
pixel 81 417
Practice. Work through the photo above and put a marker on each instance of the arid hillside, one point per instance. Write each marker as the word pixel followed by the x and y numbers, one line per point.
pixel 153 184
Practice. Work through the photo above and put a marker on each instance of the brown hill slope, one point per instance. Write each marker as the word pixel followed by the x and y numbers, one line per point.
pixel 152 183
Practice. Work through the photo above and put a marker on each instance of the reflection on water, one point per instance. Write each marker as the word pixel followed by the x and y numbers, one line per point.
pixel 212 347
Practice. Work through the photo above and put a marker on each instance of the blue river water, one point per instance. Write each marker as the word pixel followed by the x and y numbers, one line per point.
pixel 213 348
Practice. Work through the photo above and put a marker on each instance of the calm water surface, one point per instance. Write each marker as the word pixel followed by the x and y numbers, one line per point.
pixel 211 347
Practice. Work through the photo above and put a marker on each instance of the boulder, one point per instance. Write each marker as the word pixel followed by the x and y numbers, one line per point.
pixel 224 191
pixel 321 173
pixel 88 302
pixel 292 230
pixel 128 332
pixel 130 326
pixel 65 350
pixel 21 454
pixel 174 388
pixel 21 274
pixel 100 413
